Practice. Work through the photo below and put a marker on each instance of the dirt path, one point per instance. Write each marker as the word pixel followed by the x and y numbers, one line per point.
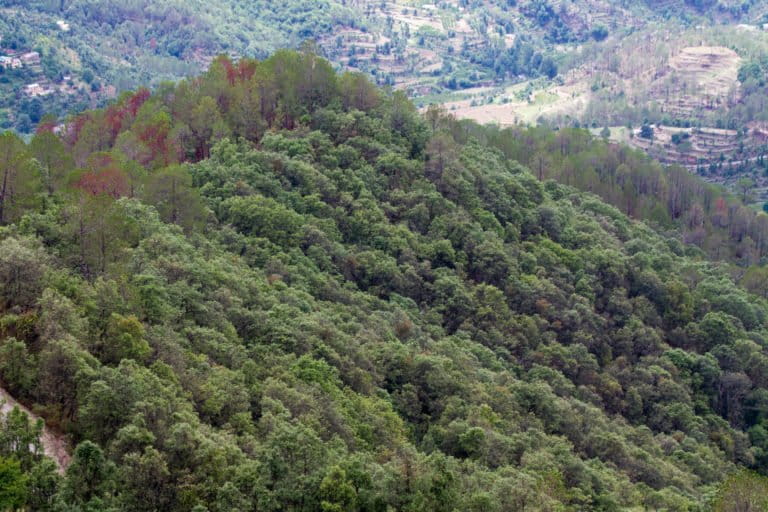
pixel 54 444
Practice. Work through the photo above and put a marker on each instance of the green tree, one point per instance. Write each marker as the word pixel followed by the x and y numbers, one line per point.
pixel 55 160
pixel 742 492
pixel 263 217
pixel 20 439
pixel 19 178
pixel 90 475
pixel 17 366
pixel 207 126
pixel 13 485
pixel 147 482
pixel 337 492
pixel 100 229
pixel 745 186
pixel 358 92
pixel 170 191
pixel 124 339
pixel 23 264
pixel 292 486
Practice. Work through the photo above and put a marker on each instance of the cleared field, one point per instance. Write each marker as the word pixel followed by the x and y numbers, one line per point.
pixel 620 134
pixel 507 109
pixel 693 79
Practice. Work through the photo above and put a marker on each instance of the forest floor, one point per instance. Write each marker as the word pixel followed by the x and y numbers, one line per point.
pixel 55 444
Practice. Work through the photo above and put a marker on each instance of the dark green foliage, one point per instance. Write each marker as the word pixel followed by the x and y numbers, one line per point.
pixel 13 485
pixel 669 198
pixel 27 478
pixel 340 309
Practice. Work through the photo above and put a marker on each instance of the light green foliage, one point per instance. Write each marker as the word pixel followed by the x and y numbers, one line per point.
pixel 124 339
pixel 742 492
pixel 170 191
pixel 263 217
pixel 20 178
pixel 22 267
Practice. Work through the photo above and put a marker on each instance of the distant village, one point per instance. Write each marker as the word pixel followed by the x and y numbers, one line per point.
pixel 14 59
pixel 11 61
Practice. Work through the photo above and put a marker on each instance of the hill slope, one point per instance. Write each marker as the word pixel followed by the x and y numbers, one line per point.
pixel 90 50
pixel 276 288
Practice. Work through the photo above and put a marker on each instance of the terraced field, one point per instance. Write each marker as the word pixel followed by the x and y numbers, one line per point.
pixel 681 86
pixel 695 146
pixel 697 79
pixel 691 81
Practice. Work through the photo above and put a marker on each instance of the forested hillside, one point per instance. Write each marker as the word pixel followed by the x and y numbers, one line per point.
pixel 669 198
pixel 273 287
pixel 91 50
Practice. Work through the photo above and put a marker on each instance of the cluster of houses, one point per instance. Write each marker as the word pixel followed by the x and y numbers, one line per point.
pixel 10 62
pixel 35 89
pixel 15 60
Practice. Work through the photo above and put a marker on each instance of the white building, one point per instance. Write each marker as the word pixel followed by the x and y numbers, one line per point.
pixel 10 62
pixel 31 58
pixel 35 89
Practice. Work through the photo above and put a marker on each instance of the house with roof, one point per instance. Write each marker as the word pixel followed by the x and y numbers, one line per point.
pixel 10 62
pixel 30 58
pixel 35 89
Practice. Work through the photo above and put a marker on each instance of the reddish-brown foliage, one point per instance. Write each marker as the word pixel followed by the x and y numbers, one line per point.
pixel 47 126
pixel 246 69
pixel 104 177
pixel 109 181
pixel 114 117
pixel 721 206
pixel 137 100
pixel 155 137
pixel 72 132
pixel 229 69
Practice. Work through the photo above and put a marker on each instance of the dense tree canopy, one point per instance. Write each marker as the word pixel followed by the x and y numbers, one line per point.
pixel 276 288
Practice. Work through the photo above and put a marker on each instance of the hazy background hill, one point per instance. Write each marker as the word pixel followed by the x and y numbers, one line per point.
pixel 424 47
pixel 614 66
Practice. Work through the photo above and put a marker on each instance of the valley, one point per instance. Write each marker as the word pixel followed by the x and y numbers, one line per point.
pixel 687 96
pixel 586 63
